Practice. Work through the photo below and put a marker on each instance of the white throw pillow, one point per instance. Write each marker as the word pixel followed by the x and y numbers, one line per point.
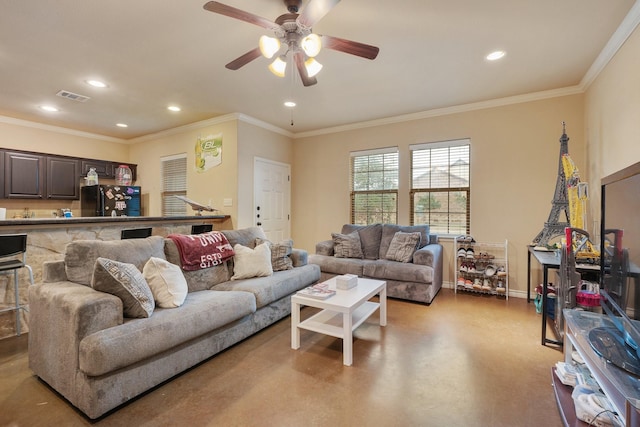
pixel 167 283
pixel 249 262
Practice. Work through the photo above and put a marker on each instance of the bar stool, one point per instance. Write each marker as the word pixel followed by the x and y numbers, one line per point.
pixel 135 233
pixel 202 228
pixel 12 246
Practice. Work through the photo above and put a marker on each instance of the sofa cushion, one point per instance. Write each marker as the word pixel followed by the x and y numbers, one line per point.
pixel 272 288
pixel 197 280
pixel 347 245
pixel 280 254
pixel 369 238
pixel 402 246
pixel 398 271
pixel 166 281
pixel 127 283
pixel 202 312
pixel 333 265
pixel 81 255
pixel 245 237
pixel 389 230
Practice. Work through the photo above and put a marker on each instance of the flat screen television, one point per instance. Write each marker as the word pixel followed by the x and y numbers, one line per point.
pixel 619 271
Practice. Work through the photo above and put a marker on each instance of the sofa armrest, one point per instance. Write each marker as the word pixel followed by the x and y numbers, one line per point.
pixel 61 315
pixel 299 257
pixel 325 248
pixel 431 255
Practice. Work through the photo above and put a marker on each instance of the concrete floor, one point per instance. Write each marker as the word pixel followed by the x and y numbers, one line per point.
pixel 465 360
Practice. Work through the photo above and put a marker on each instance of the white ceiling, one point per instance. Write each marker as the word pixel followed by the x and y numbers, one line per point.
pixel 154 53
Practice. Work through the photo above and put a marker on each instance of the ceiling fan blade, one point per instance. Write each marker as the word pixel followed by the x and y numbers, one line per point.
pixel 244 59
pixel 306 80
pixel 315 11
pixel 347 46
pixel 232 12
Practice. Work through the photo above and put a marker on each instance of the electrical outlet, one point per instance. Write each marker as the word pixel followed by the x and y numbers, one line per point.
pixel 227 202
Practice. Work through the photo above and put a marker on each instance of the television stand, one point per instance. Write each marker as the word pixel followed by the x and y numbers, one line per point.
pixel 622 388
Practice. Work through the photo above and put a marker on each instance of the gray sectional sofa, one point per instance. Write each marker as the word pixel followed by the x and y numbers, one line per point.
pixel 418 277
pixel 82 346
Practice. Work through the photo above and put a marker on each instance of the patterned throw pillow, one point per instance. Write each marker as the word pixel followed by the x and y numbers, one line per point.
pixel 347 245
pixel 280 253
pixel 127 283
pixel 402 246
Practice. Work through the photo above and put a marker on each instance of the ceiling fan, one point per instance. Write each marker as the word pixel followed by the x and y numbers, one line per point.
pixel 293 31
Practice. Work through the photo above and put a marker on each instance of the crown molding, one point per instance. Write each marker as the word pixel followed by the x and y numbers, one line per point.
pixel 518 99
pixel 628 25
pixel 59 129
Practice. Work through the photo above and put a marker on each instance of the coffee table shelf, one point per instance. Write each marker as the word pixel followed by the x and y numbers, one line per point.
pixel 330 323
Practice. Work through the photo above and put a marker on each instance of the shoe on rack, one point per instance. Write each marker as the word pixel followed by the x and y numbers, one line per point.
pixel 470 254
pixel 462 253
pixel 471 267
pixel 486 285
pixel 500 288
pixel 464 267
pixel 468 284
pixel 501 272
pixel 477 285
pixel 490 270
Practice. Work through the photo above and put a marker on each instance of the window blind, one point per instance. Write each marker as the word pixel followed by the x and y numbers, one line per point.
pixel 174 182
pixel 374 186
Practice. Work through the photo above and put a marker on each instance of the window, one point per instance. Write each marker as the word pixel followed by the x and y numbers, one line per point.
pixel 440 187
pixel 374 186
pixel 174 183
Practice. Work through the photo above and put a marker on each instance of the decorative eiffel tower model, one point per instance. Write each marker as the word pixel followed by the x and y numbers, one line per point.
pixel 553 227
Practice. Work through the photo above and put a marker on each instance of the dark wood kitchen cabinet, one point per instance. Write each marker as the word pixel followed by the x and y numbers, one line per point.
pixel 24 175
pixel 62 178
pixel 103 169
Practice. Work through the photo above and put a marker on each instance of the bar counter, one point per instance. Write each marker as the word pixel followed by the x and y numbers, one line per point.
pixel 48 237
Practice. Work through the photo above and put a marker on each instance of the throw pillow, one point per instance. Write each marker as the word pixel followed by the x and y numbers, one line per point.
pixel 249 262
pixel 127 283
pixel 280 253
pixel 166 281
pixel 347 245
pixel 402 246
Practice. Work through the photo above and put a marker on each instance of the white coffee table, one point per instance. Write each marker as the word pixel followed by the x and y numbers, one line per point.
pixel 341 314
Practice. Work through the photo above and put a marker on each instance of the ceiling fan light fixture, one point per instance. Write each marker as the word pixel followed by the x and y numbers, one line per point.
pixel 311 44
pixel 279 66
pixel 313 67
pixel 268 46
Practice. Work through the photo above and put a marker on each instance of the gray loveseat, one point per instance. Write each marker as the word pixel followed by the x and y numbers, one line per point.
pixel 81 344
pixel 419 279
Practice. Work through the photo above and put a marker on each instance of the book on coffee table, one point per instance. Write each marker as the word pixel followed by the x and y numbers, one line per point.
pixel 317 291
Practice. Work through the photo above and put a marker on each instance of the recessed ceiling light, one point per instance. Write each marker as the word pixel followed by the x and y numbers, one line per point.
pixel 173 108
pixel 49 108
pixel 289 104
pixel 496 55
pixel 122 125
pixel 96 83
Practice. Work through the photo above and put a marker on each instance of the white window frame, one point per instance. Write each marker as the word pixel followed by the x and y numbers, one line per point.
pixel 173 171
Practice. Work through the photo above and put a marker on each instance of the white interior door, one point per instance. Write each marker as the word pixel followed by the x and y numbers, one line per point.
pixel 272 206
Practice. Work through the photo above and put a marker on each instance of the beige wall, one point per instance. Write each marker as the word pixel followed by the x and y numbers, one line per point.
pixel 612 110
pixel 514 155
pixel 213 185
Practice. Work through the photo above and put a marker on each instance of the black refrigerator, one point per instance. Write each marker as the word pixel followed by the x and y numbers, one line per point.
pixel 110 200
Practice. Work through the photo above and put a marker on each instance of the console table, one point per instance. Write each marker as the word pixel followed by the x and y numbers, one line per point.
pixel 549 260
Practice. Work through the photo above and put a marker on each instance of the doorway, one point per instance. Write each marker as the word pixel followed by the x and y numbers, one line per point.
pixel 272 198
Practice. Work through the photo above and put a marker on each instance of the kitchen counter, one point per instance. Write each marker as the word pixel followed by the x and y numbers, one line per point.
pixel 104 220
pixel 48 237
